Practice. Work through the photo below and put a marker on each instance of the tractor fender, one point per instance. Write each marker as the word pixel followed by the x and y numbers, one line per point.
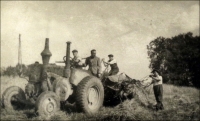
pixel 77 75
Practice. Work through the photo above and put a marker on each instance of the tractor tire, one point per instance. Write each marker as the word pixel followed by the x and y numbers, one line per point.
pixel 47 104
pixel 89 95
pixel 13 98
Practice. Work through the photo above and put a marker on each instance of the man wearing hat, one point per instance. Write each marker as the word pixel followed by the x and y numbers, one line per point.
pixel 157 88
pixel 113 64
pixel 76 61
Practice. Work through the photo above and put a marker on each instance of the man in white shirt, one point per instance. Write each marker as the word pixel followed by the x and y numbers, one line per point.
pixel 76 61
pixel 158 89
pixel 113 65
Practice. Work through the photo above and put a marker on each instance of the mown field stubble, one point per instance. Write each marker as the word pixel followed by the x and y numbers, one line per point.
pixel 181 103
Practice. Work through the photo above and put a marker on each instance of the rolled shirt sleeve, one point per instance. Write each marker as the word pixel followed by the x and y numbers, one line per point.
pixel 80 60
pixel 112 62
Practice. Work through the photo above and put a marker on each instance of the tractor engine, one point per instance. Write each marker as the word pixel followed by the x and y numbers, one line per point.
pixel 41 80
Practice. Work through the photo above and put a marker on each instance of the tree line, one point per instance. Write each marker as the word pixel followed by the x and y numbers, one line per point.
pixel 177 58
pixel 13 71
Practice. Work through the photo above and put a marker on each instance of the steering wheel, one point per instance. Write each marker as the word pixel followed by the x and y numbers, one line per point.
pixel 71 63
pixel 64 58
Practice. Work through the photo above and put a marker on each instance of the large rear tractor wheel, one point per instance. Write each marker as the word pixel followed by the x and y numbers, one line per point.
pixel 47 104
pixel 89 95
pixel 13 98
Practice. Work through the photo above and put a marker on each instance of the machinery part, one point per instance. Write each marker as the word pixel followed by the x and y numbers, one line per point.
pixel 50 88
pixel 13 98
pixel 63 89
pixel 46 54
pixel 47 104
pixel 111 97
pixel 66 72
pixel 60 86
pixel 30 90
pixel 35 72
pixel 89 95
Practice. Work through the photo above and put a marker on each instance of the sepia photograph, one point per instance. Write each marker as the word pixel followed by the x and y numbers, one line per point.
pixel 100 60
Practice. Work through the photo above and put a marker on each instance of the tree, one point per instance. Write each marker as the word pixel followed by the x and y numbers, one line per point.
pixel 177 58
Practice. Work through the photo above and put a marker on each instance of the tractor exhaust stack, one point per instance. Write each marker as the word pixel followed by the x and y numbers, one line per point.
pixel 66 72
pixel 46 54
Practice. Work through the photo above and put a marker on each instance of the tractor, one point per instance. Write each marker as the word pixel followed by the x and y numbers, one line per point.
pixel 47 91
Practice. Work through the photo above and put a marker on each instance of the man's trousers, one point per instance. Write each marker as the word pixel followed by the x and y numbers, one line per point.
pixel 158 92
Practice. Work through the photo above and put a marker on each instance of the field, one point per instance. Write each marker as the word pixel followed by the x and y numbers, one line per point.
pixel 181 103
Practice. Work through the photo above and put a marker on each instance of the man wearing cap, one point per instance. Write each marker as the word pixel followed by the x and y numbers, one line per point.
pixel 113 64
pixel 157 88
pixel 94 64
pixel 76 61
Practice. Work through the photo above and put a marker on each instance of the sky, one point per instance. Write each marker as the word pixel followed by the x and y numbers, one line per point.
pixel 121 28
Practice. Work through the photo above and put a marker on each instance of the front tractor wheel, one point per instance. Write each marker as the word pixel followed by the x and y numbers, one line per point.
pixel 47 104
pixel 89 95
pixel 14 98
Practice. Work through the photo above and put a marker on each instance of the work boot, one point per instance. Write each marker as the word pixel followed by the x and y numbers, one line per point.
pixel 161 107
pixel 158 106
pixel 154 106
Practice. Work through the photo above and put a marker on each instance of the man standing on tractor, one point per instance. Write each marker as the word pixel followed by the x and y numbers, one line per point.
pixel 94 64
pixel 113 64
pixel 158 89
pixel 76 61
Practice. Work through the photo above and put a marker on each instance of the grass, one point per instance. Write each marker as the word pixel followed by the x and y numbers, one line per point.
pixel 181 103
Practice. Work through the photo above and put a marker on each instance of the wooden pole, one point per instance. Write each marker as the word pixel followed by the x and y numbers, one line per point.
pixel 19 51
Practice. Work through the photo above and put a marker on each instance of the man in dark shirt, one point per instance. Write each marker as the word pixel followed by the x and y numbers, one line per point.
pixel 113 64
pixel 94 64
